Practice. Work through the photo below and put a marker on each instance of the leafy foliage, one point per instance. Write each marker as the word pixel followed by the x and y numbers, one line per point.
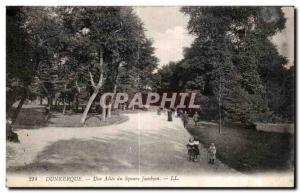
pixel 233 58
pixel 56 51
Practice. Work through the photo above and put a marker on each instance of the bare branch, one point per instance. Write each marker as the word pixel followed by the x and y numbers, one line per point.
pixel 100 82
pixel 92 79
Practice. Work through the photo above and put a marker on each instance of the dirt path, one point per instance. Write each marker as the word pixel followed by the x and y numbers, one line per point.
pixel 146 143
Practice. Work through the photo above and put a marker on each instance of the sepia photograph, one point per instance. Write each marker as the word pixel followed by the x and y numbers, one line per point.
pixel 150 96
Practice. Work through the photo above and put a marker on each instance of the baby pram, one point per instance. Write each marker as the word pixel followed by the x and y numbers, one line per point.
pixel 193 152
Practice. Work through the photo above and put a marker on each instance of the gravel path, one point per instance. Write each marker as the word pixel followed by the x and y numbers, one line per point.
pixel 146 143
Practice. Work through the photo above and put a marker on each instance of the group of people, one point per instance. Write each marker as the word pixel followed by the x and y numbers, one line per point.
pixel 193 144
pixel 185 117
pixel 193 148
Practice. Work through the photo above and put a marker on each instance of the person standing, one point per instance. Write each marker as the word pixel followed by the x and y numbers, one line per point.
pixel 185 119
pixel 196 118
pixel 179 113
pixel 158 111
pixel 169 111
pixel 193 149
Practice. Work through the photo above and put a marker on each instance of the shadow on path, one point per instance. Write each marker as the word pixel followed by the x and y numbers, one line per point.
pixel 81 156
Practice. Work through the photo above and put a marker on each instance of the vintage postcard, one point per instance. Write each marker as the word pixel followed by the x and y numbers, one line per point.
pixel 140 96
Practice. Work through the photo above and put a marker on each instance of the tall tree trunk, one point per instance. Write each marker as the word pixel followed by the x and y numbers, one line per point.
pixel 17 111
pixel 96 88
pixel 111 102
pixel 10 102
pixel 75 103
pixel 114 90
pixel 65 106
pixel 103 113
pixel 76 98
pixel 220 105
pixel 50 101
pixel 88 106
pixel 63 96
pixel 10 135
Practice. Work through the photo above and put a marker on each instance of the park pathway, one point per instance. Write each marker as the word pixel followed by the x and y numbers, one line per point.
pixel 145 144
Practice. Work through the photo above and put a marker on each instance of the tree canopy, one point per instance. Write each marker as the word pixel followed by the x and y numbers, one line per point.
pixel 233 58
pixel 60 49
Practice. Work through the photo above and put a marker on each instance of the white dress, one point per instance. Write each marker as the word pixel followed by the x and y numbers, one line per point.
pixel 212 151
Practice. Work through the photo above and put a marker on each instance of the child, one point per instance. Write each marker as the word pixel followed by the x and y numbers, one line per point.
pixel 212 151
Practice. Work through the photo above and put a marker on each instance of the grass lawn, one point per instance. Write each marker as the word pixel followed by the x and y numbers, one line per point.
pixel 34 117
pixel 93 120
pixel 248 150
pixel 31 117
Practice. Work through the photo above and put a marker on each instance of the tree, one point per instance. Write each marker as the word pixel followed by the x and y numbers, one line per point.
pixel 237 36
pixel 32 44
pixel 102 38
pixel 19 66
pixel 230 61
